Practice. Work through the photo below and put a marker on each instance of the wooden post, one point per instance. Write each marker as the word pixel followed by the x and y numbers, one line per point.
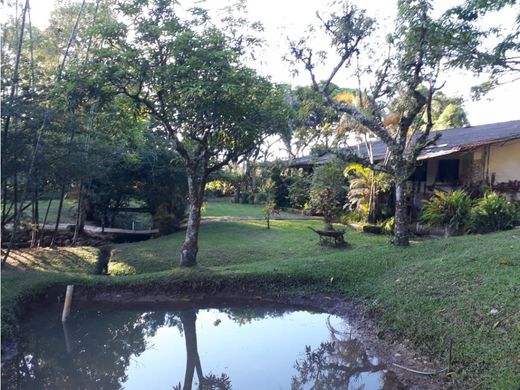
pixel 67 304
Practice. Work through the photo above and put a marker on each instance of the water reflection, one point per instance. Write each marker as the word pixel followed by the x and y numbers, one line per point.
pixel 222 382
pixel 240 347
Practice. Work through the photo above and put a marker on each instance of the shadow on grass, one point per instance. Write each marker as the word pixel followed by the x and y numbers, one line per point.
pixel 73 260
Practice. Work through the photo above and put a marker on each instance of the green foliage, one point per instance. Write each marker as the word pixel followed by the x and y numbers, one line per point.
pixel 468 42
pixel 349 217
pixel 213 107
pixel 388 225
pixel 313 119
pixel 447 112
pixel 299 189
pixel 277 184
pixel 220 188
pixel 268 212
pixel 373 229
pixel 494 212
pixel 165 221
pixel 458 213
pixel 327 193
pixel 146 170
pixel 450 210
pixel 365 186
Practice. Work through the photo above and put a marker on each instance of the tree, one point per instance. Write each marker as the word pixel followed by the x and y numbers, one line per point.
pixel 414 60
pixel 448 112
pixel 482 50
pixel 187 75
pixel 314 120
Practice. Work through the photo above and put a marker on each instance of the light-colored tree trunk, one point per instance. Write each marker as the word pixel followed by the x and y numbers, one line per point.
pixel 401 220
pixel 196 194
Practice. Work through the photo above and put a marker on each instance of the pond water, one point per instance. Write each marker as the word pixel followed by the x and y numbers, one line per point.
pixel 193 347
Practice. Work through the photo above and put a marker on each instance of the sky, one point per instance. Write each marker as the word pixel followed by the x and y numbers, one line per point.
pixel 289 18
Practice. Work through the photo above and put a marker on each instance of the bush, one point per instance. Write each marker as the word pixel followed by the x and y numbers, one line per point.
pixel 388 225
pixel 328 176
pixel 277 185
pixel 494 212
pixel 299 190
pixel 219 188
pixel 451 210
pixel 260 198
pixel 374 229
pixel 366 189
pixel 166 220
pixel 244 197
pixel 350 217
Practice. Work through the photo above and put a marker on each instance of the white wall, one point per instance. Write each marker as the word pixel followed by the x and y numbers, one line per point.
pixel 504 161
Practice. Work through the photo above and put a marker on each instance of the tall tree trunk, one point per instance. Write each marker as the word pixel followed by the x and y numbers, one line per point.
pixel 372 199
pixel 80 215
pixel 58 216
pixel 196 193
pixel 42 231
pixel 401 234
pixel 35 218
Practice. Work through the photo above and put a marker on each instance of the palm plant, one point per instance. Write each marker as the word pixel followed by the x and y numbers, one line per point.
pixel 452 210
pixel 365 186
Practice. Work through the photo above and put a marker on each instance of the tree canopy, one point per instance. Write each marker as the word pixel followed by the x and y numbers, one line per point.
pixel 188 76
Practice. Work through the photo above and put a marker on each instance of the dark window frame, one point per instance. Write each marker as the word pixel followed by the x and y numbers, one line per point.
pixel 448 171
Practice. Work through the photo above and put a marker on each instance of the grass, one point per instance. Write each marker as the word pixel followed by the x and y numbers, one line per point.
pixel 463 288
pixel 224 208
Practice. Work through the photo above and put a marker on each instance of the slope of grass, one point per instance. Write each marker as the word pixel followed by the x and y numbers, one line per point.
pixel 463 288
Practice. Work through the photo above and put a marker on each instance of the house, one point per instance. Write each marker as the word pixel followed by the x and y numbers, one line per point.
pixel 461 158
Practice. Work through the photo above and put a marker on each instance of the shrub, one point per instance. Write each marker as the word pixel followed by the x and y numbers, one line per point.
pixel 328 176
pixel 260 198
pixel 350 217
pixel 327 193
pixel 219 188
pixel 244 197
pixel 494 212
pixel 166 220
pixel 277 185
pixel 366 187
pixel 388 225
pixel 374 229
pixel 326 204
pixel 299 190
pixel 450 210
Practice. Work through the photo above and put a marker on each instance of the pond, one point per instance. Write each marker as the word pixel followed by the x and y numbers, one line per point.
pixel 191 346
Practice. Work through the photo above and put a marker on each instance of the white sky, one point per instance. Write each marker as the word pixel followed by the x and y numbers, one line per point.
pixel 283 18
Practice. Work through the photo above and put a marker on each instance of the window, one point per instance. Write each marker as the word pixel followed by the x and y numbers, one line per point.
pixel 420 171
pixel 448 171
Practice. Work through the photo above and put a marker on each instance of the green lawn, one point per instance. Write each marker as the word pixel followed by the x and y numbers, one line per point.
pixel 464 288
pixel 224 208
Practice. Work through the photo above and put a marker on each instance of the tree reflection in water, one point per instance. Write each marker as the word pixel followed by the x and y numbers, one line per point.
pixel 208 382
pixel 339 364
pixel 95 351
pixel 100 350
